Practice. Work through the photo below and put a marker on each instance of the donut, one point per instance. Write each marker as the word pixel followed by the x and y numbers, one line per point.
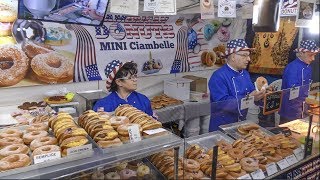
pixel 143 170
pixel 127 173
pixel 191 165
pixel 105 135
pixel 52 68
pixel 208 31
pixel 14 149
pixel 236 167
pixel 74 142
pixel 224 145
pixel 121 166
pixel 210 58
pixel 45 149
pixel 30 136
pixel 274 158
pixel 112 175
pixel 117 31
pixel 33 48
pixel 71 133
pixel 249 127
pixel 261 82
pixel 14 73
pixel 123 129
pixel 194 175
pixel 42 141
pixel 151 125
pixel 98 175
pixel 99 127
pixel 10 140
pixel 237 174
pixel 14 161
pixel 223 34
pixel 226 22
pixel 37 127
pixel 202 157
pixel 236 154
pixel 10 133
pixel 116 121
pixel 249 164
pixel 7 13
pixel 5 29
pixel 109 143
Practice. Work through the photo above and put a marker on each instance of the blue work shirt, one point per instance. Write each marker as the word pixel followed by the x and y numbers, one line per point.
pixel 113 100
pixel 227 88
pixel 297 73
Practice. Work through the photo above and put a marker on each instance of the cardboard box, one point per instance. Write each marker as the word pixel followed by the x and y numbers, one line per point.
pixel 198 84
pixel 178 88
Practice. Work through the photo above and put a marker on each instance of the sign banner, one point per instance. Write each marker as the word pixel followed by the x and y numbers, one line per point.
pixel 64 53
pixel 289 8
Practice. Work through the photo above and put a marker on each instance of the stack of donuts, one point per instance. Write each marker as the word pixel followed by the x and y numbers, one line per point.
pixel 68 134
pixel 138 117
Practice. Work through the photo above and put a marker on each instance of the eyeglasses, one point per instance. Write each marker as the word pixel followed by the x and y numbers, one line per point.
pixel 132 77
pixel 243 55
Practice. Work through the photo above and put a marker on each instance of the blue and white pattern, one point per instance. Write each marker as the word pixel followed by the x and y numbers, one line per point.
pixel 236 45
pixel 308 46
pixel 192 38
pixel 111 70
pixel 93 73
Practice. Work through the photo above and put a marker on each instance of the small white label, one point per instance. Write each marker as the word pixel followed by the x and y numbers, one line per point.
pixel 298 153
pixel 283 164
pixel 149 5
pixel 79 149
pixel 165 7
pixel 294 93
pixel 271 168
pixel 46 157
pixel 134 133
pixel 247 11
pixel 246 176
pixel 227 8
pixel 247 102
pixel 258 174
pixel 154 131
pixel 291 159
pixel 207 9
pixel 125 7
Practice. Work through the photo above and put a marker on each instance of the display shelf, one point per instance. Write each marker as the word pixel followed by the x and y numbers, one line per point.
pixel 133 151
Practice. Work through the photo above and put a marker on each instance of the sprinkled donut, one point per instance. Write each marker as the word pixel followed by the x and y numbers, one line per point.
pixel 223 34
pixel 52 68
pixel 17 66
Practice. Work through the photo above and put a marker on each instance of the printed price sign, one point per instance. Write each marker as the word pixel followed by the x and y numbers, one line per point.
pixel 154 131
pixel 272 102
pixel 291 159
pixel 246 176
pixel 134 133
pixel 258 174
pixel 298 153
pixel 247 102
pixel 271 168
pixel 294 93
pixel 283 164
pixel 46 157
pixel 79 149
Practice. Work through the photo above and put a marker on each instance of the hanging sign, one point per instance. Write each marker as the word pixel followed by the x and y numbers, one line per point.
pixel 165 7
pixel 227 8
pixel 125 7
pixel 149 5
pixel 207 9
pixel 305 14
pixel 289 8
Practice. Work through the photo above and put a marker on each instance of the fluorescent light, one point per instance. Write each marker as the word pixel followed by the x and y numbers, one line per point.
pixel 314 27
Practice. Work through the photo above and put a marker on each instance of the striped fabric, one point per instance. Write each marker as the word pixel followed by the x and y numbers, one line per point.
pixel 85 67
pixel 111 70
pixel 180 63
pixel 290 3
pixel 236 45
pixel 195 54
pixel 308 46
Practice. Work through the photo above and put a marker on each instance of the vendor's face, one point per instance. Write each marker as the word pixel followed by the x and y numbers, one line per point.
pixel 307 57
pixel 241 59
pixel 129 82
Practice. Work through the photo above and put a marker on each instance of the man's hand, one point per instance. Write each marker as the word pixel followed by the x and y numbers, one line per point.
pixel 258 95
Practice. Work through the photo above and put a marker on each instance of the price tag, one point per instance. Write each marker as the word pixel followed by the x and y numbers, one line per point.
pixel 247 102
pixel 79 149
pixel 258 174
pixel 291 159
pixel 271 168
pixel 294 93
pixel 283 164
pixel 246 176
pixel 134 133
pixel 46 157
pixel 154 131
pixel 298 153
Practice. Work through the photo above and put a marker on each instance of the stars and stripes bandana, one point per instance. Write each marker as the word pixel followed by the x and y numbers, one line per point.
pixel 308 46
pixel 237 45
pixel 111 70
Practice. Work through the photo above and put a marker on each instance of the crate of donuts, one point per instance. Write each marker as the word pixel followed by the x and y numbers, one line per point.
pixel 111 130
pixel 41 142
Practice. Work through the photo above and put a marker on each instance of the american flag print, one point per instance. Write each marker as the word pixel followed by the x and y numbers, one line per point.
pixel 290 3
pixel 111 70
pixel 180 63
pixel 194 55
pixel 308 45
pixel 119 33
pixel 85 67
pixel 236 45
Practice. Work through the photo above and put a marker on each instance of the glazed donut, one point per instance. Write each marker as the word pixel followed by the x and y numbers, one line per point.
pixel 105 135
pixel 121 166
pixel 123 129
pixel 236 154
pixel 224 145
pixel 237 174
pixel 10 140
pixel 98 175
pixel 124 138
pixel 5 28
pixel 143 170
pixel 274 158
pixel 127 173
pixel 249 164
pixel 12 75
pixel 8 13
pixel 261 82
pixel 45 149
pixel 32 48
pixel 30 136
pixel 208 31
pixel 98 127
pixel 10 133
pixel 71 133
pixel 194 175
pixel 220 173
pixel 153 124
pixel 237 143
pixel 37 127
pixel 250 126
pixel 191 165
pixel 110 143
pixel 52 68
pixel 112 175
pixel 242 131
pixel 284 152
pixel 116 121
pixel 223 34
pixel 42 141
pixel 14 161
pixel 236 167
pixel 202 157
pixel 14 149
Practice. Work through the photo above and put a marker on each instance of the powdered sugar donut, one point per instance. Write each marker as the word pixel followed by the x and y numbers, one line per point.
pixel 223 34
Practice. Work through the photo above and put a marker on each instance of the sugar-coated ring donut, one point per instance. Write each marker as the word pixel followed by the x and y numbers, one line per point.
pixel 143 170
pixel 191 165
pixel 13 73
pixel 52 68
pixel 30 136
pixel 43 141
pixel 10 140
pixel 224 145
pixel 249 164
pixel 7 13
pixel 14 161
pixel 45 149
pixel 37 127
pixel 236 154
pixel 14 149
pixel 260 82
pixel 127 173
pixel 10 133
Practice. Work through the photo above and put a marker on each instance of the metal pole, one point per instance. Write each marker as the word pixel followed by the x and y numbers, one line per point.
pixel 214 162
pixel 176 156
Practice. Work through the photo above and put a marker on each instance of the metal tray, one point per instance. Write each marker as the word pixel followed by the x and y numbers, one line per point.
pixel 232 129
